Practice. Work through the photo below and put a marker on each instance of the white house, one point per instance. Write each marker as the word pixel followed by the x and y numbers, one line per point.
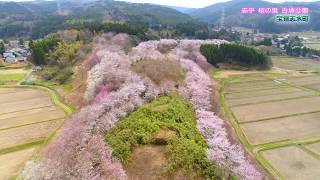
pixel 9 57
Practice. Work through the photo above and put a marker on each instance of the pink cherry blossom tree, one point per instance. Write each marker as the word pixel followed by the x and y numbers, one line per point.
pixel 79 150
pixel 197 88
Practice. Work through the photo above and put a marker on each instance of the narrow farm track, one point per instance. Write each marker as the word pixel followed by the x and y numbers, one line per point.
pixel 277 120
pixel 29 118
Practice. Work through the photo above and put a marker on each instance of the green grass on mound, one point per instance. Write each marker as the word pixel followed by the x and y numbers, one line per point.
pixel 185 146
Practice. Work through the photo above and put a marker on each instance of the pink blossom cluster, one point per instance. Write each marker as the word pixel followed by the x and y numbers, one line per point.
pixel 102 91
pixel 190 49
pixel 146 50
pixel 109 42
pixel 79 150
pixel 197 88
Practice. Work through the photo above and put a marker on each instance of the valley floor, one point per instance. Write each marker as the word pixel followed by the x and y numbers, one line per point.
pixel 28 118
pixel 276 116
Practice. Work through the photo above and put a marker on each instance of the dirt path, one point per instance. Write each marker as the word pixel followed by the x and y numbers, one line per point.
pixel 147 162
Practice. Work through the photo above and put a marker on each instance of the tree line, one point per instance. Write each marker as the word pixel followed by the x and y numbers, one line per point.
pixel 132 29
pixel 235 54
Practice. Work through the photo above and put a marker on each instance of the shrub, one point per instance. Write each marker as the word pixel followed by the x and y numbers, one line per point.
pixel 40 49
pixel 48 73
pixel 2 64
pixel 159 71
pixel 235 54
pixel 186 148
pixel 197 88
pixel 226 155
pixel 64 75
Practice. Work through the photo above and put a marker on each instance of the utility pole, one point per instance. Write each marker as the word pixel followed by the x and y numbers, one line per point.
pixel 59 7
pixel 222 21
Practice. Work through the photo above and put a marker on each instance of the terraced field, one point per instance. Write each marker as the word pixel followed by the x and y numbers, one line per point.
pixel 278 119
pixel 296 63
pixel 12 76
pixel 27 118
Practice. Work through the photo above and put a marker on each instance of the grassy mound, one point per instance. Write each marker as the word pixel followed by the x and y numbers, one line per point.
pixel 167 120
pixel 160 71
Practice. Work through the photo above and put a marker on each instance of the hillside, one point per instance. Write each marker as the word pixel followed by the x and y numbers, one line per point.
pixel 265 23
pixel 38 18
pixel 185 10
pixel 118 83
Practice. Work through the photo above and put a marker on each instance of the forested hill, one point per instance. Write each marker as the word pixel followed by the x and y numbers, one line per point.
pixel 265 23
pixel 38 18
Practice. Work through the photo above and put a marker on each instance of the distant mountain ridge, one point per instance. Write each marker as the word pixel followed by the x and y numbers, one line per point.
pixel 183 9
pixel 37 18
pixel 266 23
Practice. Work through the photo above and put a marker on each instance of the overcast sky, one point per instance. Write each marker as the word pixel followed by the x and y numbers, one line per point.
pixel 198 3
pixel 188 3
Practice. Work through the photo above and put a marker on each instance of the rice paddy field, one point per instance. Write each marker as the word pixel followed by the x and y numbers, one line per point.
pixel 313 45
pixel 12 76
pixel 27 118
pixel 277 117
pixel 296 63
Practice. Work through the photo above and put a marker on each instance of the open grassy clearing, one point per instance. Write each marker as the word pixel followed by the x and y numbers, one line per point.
pixel 30 117
pixel 27 134
pixel 295 127
pixel 276 109
pixel 12 163
pixel 267 98
pixel 314 147
pixel 11 79
pixel 293 163
pixel 231 73
pixel 313 45
pixel 295 63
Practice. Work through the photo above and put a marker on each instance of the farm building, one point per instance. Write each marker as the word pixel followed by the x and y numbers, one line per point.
pixel 315 57
pixel 9 57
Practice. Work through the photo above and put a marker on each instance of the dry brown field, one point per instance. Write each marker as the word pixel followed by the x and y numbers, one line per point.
pixel 28 134
pixel 293 163
pixel 266 98
pixel 12 163
pixel 296 127
pixel 314 147
pixel 26 116
pixel 275 116
pixel 241 95
pixel 253 87
pixel 276 109
pixel 30 117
